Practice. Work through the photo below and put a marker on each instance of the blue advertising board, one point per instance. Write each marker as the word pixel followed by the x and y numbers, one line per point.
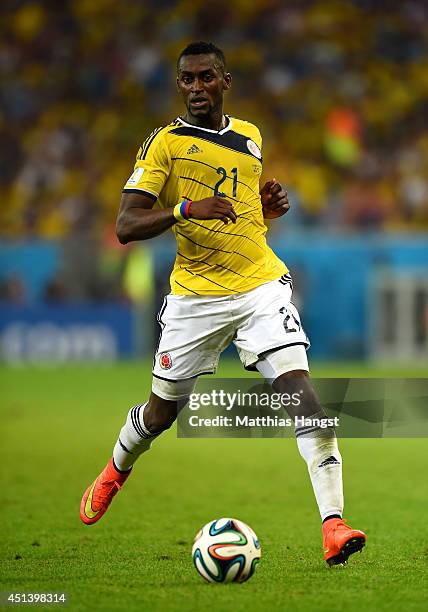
pixel 67 332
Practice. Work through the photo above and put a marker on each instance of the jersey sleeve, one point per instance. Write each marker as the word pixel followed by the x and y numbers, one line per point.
pixel 152 167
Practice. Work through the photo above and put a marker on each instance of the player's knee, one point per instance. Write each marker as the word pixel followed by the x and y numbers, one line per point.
pixel 158 424
pixel 286 380
pixel 297 383
pixel 158 418
pixel 166 400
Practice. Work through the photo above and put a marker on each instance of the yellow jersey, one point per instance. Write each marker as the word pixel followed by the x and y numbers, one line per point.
pixel 181 161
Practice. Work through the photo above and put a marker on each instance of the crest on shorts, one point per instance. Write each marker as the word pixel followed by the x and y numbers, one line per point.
pixel 254 149
pixel 165 361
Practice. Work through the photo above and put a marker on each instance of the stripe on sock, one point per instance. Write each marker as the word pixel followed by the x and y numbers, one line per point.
pixel 146 432
pixel 135 417
pixel 303 431
pixel 123 447
pixel 135 421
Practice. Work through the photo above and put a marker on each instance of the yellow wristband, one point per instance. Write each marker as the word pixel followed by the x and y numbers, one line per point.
pixel 177 212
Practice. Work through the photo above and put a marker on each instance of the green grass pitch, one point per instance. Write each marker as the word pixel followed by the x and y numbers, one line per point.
pixel 58 429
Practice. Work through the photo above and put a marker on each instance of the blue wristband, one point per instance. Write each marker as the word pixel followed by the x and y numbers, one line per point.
pixel 182 209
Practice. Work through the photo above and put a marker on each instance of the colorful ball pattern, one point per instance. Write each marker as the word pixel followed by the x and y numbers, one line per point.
pixel 226 550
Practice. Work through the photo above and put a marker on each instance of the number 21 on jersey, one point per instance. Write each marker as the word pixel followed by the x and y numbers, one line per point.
pixel 223 176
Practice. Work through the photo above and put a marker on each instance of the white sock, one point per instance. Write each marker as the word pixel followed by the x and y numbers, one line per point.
pixel 319 449
pixel 134 439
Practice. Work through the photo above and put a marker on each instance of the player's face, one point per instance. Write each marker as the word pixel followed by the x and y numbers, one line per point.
pixel 201 81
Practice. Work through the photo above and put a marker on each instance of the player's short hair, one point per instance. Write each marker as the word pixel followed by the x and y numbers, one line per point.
pixel 204 48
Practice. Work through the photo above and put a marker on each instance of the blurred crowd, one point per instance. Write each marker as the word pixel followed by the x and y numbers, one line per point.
pixel 339 89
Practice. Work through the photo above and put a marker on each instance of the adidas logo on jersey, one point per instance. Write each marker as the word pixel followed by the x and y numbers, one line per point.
pixel 194 149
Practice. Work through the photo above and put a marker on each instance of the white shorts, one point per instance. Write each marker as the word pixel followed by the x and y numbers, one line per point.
pixel 196 329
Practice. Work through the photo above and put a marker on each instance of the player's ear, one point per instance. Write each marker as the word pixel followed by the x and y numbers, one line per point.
pixel 227 81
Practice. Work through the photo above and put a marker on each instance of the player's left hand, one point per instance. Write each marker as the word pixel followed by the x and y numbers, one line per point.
pixel 274 200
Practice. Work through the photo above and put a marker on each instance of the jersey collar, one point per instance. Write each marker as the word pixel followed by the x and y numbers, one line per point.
pixel 222 131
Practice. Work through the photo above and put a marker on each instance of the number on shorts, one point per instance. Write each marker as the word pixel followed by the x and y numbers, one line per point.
pixel 289 322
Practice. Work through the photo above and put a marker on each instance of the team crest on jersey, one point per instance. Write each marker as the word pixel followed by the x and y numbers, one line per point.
pixel 254 149
pixel 165 361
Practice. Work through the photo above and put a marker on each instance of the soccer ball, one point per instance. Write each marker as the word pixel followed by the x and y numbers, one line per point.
pixel 226 550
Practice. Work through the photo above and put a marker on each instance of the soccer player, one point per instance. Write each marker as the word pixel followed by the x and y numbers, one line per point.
pixel 199 176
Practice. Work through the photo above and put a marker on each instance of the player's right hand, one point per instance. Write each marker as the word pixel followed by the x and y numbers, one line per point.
pixel 213 208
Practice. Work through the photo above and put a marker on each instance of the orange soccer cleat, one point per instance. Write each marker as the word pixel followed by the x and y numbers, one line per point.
pixel 340 541
pixel 99 495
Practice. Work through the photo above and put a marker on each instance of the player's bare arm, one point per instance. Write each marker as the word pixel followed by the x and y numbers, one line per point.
pixel 274 200
pixel 138 221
